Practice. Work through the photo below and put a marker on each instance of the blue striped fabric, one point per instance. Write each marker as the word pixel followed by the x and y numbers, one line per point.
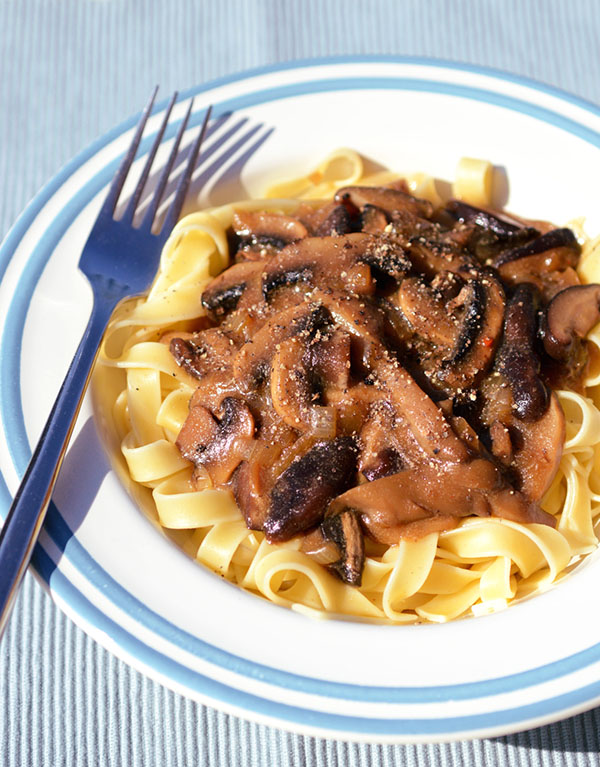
pixel 70 70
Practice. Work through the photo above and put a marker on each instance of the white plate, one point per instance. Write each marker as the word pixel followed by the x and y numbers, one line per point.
pixel 133 590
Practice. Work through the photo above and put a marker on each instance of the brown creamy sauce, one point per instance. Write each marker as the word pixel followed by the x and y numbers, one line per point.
pixel 379 368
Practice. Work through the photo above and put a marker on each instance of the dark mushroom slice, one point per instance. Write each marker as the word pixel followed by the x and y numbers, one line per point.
pixel 302 493
pixel 503 226
pixel 390 506
pixel 260 228
pixel 217 445
pixel 252 364
pixel 517 360
pixel 462 335
pixel 569 317
pixel 486 233
pixel 224 292
pixel 345 532
pixel 385 198
pixel 204 352
pixel 549 272
pixel 373 219
pixel 387 257
pixel 339 221
pixel 552 240
pixel 481 303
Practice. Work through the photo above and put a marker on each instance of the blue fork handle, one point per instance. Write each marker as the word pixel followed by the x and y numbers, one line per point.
pixel 28 510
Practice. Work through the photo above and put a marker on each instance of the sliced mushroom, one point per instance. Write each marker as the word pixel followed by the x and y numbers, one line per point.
pixel 501 444
pixel 291 390
pixel 569 317
pixel 326 261
pixel 249 488
pixel 536 444
pixel 204 352
pixel 344 531
pixel 431 255
pixel 338 221
pixel 266 228
pixel 461 335
pixel 314 260
pixel 413 407
pixel 553 240
pixel 363 321
pixel 426 313
pixel 300 496
pixel 224 292
pixel 253 361
pixel 373 219
pixel 501 225
pixel 385 198
pixel 480 327
pixel 330 361
pixel 472 488
pixel 538 449
pixel 220 445
pixel 517 359
pixel 387 257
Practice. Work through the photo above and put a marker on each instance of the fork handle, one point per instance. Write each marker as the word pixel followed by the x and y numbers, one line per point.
pixel 28 510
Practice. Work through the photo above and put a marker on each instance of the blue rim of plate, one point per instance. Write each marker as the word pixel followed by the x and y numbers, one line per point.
pixel 133 648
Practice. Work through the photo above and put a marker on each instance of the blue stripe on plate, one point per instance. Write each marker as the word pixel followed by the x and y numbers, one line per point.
pixel 233 697
pixel 60 533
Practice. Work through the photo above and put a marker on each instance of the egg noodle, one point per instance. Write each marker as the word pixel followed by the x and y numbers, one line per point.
pixel 142 397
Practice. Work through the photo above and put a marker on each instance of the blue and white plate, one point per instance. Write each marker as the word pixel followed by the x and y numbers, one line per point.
pixel 129 587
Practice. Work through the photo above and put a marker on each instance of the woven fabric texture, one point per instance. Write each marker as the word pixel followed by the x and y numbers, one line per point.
pixel 69 71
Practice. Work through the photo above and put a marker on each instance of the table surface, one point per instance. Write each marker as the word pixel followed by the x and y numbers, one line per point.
pixel 72 69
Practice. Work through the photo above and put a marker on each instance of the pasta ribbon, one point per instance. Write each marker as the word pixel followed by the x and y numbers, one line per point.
pixel 341 168
pixel 327 593
pixel 187 509
pixel 152 462
pixel 473 182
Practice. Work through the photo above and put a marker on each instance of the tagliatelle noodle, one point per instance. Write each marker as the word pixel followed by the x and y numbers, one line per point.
pixel 143 395
pixel 473 182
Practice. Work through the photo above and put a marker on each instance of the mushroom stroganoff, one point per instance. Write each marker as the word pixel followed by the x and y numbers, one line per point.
pixel 366 400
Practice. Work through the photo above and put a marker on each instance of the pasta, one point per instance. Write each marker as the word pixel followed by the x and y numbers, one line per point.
pixel 480 566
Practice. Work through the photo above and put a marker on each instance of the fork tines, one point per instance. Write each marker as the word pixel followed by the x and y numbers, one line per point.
pixel 148 220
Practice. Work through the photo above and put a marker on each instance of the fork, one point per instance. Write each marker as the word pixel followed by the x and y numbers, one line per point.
pixel 119 260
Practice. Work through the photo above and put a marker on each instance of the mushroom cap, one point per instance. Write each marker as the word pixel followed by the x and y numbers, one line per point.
pixel 569 317
pixel 302 493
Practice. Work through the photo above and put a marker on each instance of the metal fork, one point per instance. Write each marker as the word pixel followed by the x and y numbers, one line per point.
pixel 119 260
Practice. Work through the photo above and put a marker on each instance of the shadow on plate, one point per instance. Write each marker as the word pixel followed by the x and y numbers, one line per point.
pixel 229 144
pixel 75 489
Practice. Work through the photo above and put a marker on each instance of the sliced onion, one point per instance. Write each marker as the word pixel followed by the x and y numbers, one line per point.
pixel 302 445
pixel 324 552
pixel 323 422
pixel 201 478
